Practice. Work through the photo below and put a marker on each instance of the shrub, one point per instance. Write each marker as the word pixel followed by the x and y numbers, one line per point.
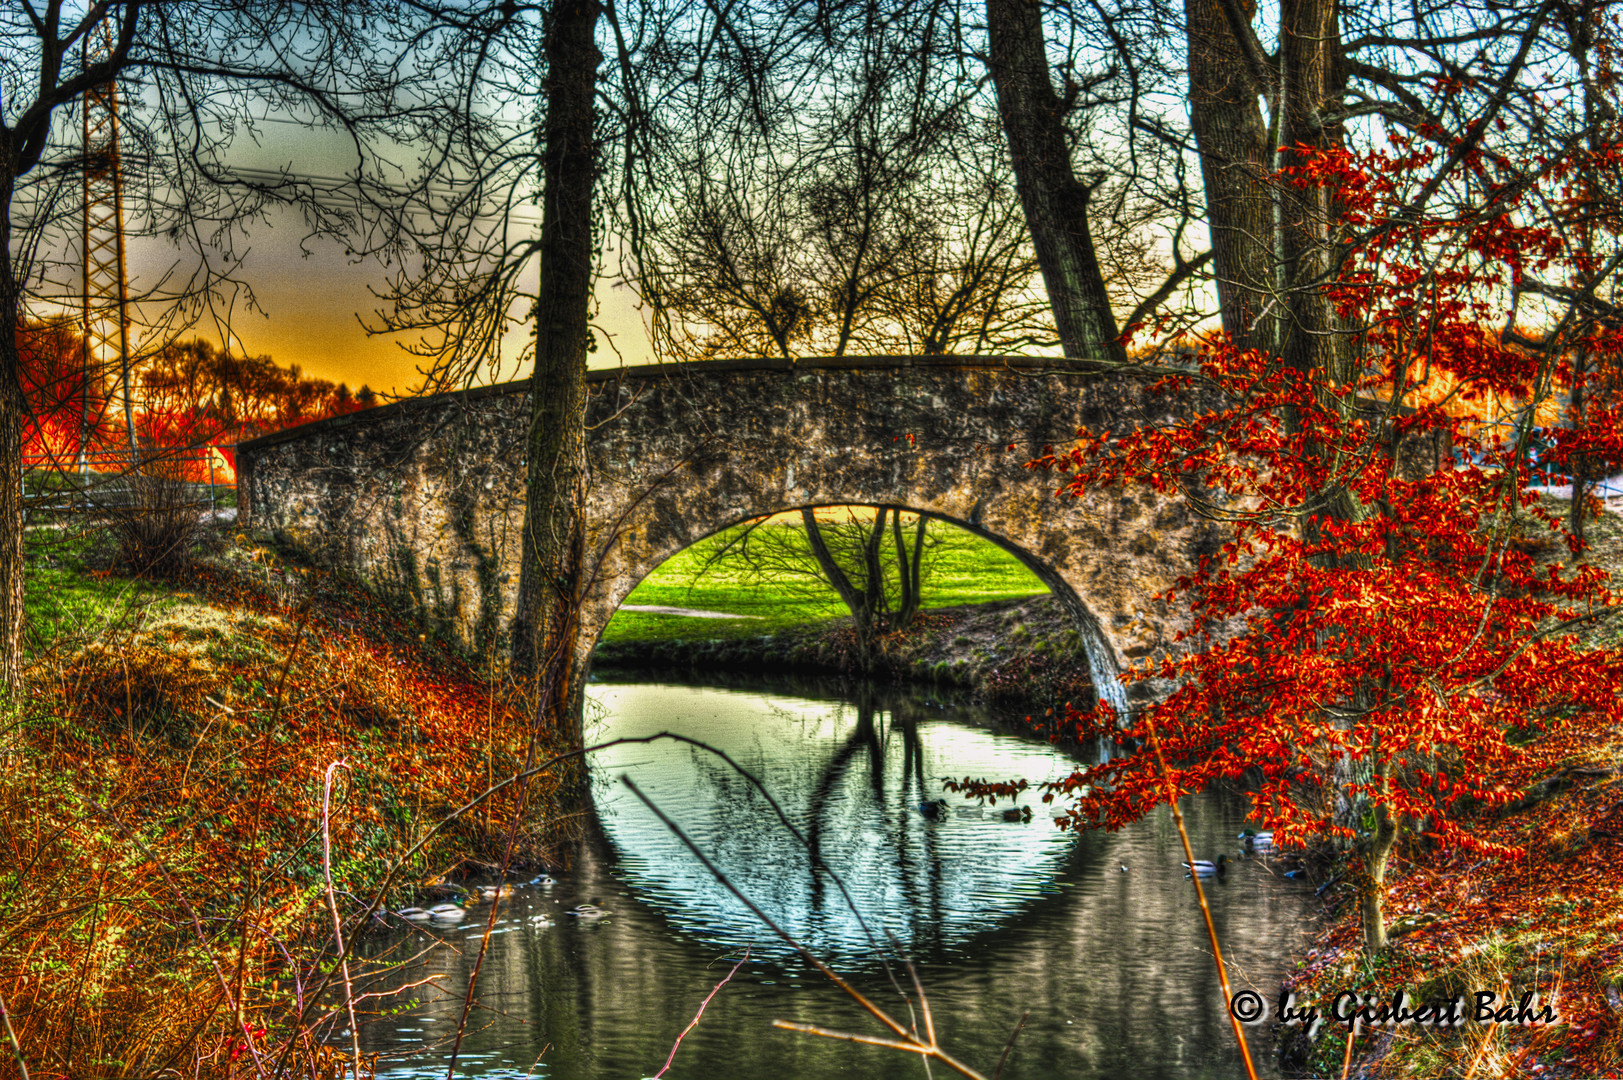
pixel 156 526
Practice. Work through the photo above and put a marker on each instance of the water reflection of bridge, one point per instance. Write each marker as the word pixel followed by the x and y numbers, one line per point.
pixel 1113 967
pixel 851 774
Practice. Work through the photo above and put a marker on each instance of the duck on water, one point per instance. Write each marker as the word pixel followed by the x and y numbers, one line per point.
pixel 1208 868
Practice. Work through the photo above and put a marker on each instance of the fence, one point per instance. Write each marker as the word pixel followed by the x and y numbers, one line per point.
pixel 100 480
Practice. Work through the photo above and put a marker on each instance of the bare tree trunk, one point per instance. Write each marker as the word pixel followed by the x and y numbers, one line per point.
pixel 1311 73
pixel 546 624
pixel 1582 22
pixel 1578 467
pixel 13 407
pixel 1054 201
pixel 1313 338
pixel 1235 149
pixel 860 602
pixel 908 569
pixel 873 568
pixel 1275 247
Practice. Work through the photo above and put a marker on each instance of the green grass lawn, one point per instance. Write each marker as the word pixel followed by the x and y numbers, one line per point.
pixel 64 600
pixel 960 568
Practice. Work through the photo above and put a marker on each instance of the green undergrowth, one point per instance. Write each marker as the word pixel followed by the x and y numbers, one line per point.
pixel 71 591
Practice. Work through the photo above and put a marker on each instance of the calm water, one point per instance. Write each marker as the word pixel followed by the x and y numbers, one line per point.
pixel 1001 918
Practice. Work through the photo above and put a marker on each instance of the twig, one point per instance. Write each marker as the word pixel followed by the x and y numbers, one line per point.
pixel 696 1016
pixel 924 1004
pixel 1010 1045
pixel 135 840
pixel 478 800
pixel 541 706
pixel 255 883
pixel 908 1040
pixel 911 1046
pixel 1200 894
pixel 332 905
pixel 16 1048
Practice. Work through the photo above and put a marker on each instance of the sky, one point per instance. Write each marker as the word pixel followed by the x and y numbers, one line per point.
pixel 314 301
pixel 311 301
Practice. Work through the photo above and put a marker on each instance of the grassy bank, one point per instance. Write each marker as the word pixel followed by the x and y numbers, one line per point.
pixel 987 623
pixel 186 752
pixel 960 569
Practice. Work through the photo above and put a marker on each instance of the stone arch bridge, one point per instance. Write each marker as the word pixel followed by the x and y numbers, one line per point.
pixel 423 498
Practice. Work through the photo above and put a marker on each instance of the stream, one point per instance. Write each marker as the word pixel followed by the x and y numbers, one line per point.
pixel 1001 918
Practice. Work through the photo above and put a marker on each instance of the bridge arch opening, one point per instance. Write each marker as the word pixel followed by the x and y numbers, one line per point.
pixel 661 594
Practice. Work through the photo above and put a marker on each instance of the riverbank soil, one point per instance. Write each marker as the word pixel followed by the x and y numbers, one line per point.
pixel 1021 653
pixel 202 771
pixel 1549 924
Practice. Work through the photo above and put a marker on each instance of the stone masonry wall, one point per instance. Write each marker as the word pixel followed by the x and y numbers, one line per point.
pixel 423 498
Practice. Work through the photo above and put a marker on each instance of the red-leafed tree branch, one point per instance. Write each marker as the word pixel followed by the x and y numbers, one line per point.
pixel 1371 671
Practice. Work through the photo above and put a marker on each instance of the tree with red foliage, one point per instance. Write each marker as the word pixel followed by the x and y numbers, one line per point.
pixel 193 394
pixel 1373 640
pixel 189 394
pixel 65 407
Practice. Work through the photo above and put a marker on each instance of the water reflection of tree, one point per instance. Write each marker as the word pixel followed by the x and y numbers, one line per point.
pixel 865 736
pixel 1117 953
pixel 919 872
pixel 1123 955
pixel 927 910
pixel 852 781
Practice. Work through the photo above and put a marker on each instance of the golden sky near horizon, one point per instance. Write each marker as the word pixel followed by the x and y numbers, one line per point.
pixel 314 301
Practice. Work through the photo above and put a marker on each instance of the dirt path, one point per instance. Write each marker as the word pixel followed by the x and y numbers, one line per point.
pixel 692 613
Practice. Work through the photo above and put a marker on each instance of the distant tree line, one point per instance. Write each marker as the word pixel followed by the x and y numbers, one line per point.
pixel 187 394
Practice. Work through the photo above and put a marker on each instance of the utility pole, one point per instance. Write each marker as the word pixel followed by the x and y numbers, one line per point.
pixel 106 293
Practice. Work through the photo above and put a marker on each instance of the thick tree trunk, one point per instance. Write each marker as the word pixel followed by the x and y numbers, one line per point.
pixel 1312 337
pixel 1054 201
pixel 1235 160
pixel 13 407
pixel 1311 74
pixel 546 624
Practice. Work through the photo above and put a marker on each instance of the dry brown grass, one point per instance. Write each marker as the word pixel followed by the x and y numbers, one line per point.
pixel 162 900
